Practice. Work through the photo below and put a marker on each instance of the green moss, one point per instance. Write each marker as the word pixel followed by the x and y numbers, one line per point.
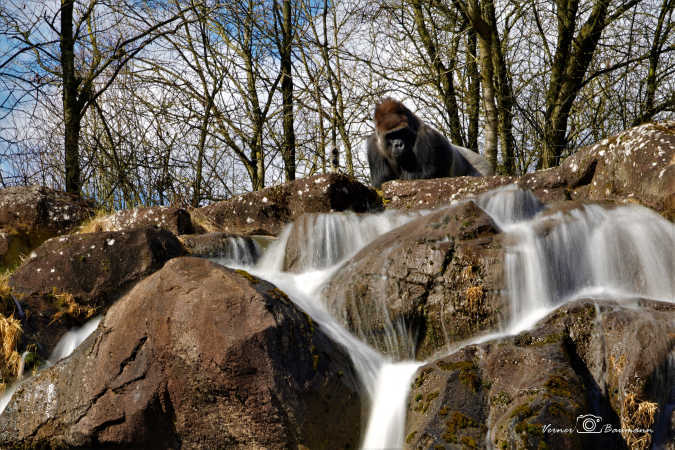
pixel 419 397
pixel 468 442
pixel 410 437
pixel 443 411
pixel 558 386
pixel 502 398
pixel 522 412
pixel 452 366
pixel 419 381
pixel 456 423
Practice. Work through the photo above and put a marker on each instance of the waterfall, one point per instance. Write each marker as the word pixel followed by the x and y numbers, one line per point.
pixel 623 252
pixel 66 345
pixel 239 250
pixel 550 258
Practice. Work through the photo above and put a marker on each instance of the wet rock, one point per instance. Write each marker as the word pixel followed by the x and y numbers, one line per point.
pixel 266 211
pixel 439 276
pixel 195 356
pixel 32 214
pixel 607 359
pixel 175 220
pixel 637 165
pixel 241 249
pixel 70 278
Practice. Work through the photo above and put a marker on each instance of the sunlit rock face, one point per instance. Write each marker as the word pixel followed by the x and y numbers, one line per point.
pixel 268 210
pixel 195 356
pixel 32 214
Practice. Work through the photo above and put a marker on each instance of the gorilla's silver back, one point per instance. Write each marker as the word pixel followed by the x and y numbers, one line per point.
pixel 476 160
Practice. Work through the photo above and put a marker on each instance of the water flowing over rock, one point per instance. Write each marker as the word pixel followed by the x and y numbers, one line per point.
pixel 601 358
pixel 32 214
pixel 175 220
pixel 637 165
pixel 71 278
pixel 431 282
pixel 242 250
pixel 317 241
pixel 195 356
pixel 268 210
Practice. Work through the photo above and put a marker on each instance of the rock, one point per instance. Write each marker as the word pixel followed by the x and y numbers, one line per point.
pixel 637 165
pixel 439 276
pixel 241 249
pixel 70 278
pixel 175 220
pixel 266 211
pixel 195 356
pixel 605 359
pixel 32 214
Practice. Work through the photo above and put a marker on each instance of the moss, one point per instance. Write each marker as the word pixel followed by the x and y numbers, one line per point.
pixel 456 423
pixel 315 362
pixel 531 429
pixel 468 442
pixel 248 276
pixel 410 437
pixel 452 366
pixel 521 412
pixel 559 386
pixel 419 397
pixel 443 411
pixel 502 398
pixel 503 445
pixel 419 380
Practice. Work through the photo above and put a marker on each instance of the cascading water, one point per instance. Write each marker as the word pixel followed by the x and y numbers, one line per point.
pixel 239 250
pixel 550 259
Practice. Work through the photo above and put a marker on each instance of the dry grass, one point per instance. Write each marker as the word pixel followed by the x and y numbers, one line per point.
pixel 636 414
pixel 199 220
pixel 10 359
pixel 68 307
pixel 93 224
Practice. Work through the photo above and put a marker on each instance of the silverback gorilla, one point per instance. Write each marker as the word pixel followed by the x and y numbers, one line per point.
pixel 404 147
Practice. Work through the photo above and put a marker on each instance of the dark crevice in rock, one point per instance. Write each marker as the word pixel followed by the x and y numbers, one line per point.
pixel 587 176
pixel 597 401
pixel 132 357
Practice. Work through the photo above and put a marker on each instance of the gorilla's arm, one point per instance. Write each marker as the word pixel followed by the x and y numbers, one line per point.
pixel 380 170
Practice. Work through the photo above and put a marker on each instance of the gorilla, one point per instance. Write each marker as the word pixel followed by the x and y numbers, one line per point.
pixel 404 147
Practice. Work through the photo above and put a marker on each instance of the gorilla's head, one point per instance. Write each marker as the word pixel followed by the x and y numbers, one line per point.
pixel 396 128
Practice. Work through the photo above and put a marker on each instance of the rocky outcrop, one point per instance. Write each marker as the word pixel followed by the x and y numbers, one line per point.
pixel 637 165
pixel 266 211
pixel 439 277
pixel 70 278
pixel 195 356
pixel 535 389
pixel 241 249
pixel 175 220
pixel 32 214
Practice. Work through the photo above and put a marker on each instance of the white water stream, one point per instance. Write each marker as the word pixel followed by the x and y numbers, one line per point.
pixel 550 259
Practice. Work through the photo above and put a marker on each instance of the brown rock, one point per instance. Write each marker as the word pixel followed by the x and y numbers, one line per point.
pixel 268 210
pixel 582 359
pixel 242 249
pixel 175 220
pixel 32 214
pixel 637 165
pixel 195 356
pixel 439 277
pixel 70 278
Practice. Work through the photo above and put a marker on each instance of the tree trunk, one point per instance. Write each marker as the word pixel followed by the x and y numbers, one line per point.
pixel 491 120
pixel 71 106
pixel 445 79
pixel 285 50
pixel 473 101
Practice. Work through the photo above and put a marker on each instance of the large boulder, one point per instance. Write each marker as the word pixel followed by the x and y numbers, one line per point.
pixel 536 389
pixel 637 165
pixel 266 211
pixel 438 278
pixel 70 278
pixel 175 220
pixel 195 356
pixel 32 214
